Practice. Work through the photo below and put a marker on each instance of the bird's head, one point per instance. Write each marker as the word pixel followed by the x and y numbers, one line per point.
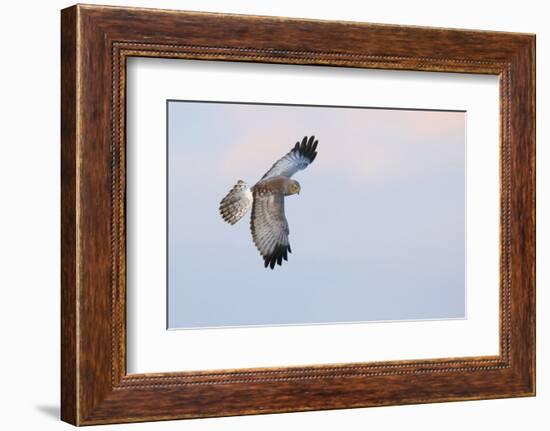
pixel 293 188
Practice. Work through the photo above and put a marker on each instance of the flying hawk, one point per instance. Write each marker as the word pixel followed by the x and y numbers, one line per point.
pixel 267 198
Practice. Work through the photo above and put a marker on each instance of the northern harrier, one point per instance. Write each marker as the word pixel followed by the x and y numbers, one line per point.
pixel 267 198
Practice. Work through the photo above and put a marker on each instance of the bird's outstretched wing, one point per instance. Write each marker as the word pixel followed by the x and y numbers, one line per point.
pixel 295 160
pixel 270 228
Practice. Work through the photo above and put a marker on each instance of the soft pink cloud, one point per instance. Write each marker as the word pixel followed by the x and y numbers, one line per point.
pixel 364 145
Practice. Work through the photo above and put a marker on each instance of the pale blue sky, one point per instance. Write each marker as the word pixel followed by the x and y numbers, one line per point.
pixel 377 232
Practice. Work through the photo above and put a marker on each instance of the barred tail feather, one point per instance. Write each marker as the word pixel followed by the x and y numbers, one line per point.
pixel 236 203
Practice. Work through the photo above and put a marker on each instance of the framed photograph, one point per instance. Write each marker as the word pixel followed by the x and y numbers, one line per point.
pixel 264 214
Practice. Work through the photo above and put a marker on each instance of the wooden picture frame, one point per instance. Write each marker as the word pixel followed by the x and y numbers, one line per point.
pixel 95 43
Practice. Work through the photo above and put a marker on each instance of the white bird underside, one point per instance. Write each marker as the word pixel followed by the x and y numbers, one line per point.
pixel 236 203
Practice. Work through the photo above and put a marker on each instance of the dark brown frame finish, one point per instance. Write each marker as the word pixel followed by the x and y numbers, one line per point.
pixel 95 43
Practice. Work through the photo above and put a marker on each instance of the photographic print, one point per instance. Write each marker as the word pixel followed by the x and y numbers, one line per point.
pixel 298 214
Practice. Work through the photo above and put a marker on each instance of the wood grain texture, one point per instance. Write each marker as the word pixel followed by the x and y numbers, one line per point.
pixel 96 41
pixel 69 365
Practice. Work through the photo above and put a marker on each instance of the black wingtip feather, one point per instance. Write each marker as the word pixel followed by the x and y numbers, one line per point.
pixel 276 258
pixel 307 148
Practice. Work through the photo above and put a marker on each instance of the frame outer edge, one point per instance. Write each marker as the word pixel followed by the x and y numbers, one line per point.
pixel 523 239
pixel 533 54
pixel 531 83
pixel 69 201
pixel 532 101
